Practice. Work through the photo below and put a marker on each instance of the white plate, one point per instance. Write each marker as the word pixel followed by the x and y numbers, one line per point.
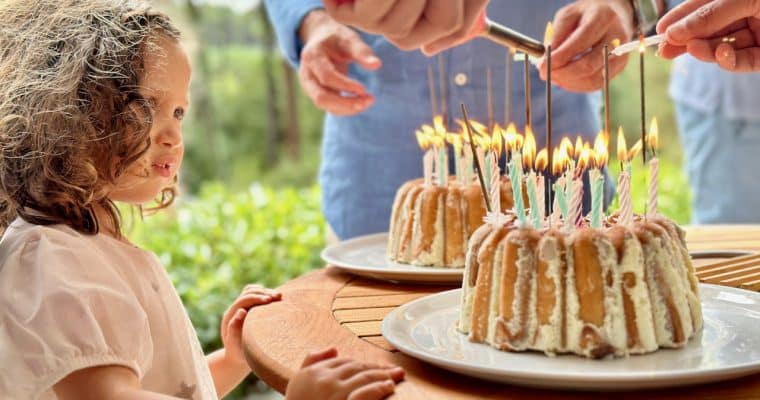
pixel 728 347
pixel 366 256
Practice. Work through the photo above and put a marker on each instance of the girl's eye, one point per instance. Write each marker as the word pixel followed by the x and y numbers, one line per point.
pixel 179 113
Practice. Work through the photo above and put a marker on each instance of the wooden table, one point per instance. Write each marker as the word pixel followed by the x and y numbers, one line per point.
pixel 328 307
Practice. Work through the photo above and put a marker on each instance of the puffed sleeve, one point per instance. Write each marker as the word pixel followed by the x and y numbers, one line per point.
pixel 64 307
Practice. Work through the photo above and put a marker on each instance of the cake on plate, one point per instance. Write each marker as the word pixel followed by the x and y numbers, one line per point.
pixel 613 291
pixel 431 224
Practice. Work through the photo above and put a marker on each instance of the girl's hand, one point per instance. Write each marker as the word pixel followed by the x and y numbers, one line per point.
pixel 324 376
pixel 232 322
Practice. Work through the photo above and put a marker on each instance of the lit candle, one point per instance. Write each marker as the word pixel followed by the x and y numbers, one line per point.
pixel 495 148
pixel 478 164
pixel 625 216
pixel 654 167
pixel 542 160
pixel 575 217
pixel 528 156
pixel 558 168
pixel 443 154
pixel 427 158
pixel 514 143
pixel 600 156
pixel 455 140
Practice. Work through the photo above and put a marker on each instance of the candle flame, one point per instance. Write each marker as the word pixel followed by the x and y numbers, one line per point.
pixel 642 44
pixel 635 150
pixel 654 135
pixel 622 147
pixel 567 145
pixel 578 148
pixel 478 128
pixel 496 141
pixel 549 33
pixel 422 140
pixel 529 149
pixel 438 124
pixel 542 159
pixel 615 43
pixel 601 153
pixel 560 160
pixel 585 158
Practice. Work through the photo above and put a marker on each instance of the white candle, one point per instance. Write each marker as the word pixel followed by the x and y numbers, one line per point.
pixel 495 184
pixel 625 216
pixel 654 168
pixel 541 192
pixel 427 166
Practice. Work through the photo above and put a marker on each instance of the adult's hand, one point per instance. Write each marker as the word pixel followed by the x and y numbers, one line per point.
pixel 329 48
pixel 726 32
pixel 581 29
pixel 429 25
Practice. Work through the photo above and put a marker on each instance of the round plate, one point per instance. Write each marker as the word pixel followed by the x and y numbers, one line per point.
pixel 366 256
pixel 728 347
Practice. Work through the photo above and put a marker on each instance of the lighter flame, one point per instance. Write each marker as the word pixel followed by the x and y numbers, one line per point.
pixel 622 147
pixel 542 159
pixel 653 137
pixel 601 153
pixel 549 33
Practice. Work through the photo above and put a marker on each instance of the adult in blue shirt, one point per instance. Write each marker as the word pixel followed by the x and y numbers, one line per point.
pixel 377 95
pixel 717 110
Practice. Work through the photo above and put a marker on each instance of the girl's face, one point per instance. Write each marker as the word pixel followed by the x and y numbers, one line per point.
pixel 165 85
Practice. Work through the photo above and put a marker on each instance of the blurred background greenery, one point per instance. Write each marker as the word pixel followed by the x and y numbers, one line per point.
pixel 249 210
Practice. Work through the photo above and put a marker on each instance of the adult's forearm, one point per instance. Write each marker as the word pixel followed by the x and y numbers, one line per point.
pixel 286 17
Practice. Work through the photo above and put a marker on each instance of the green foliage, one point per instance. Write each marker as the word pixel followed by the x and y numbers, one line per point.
pixel 227 139
pixel 215 244
pixel 674 200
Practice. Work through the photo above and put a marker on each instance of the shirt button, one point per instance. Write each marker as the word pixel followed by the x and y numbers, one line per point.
pixel 460 79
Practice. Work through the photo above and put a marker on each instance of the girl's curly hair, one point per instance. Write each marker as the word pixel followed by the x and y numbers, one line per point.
pixel 71 117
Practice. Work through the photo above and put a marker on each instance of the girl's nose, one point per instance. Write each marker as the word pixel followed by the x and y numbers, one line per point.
pixel 170 138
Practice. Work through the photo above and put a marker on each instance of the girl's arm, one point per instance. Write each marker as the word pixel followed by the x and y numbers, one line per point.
pixel 227 365
pixel 106 382
pixel 227 373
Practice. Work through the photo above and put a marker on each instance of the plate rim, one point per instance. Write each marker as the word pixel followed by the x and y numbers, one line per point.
pixel 569 379
pixel 392 270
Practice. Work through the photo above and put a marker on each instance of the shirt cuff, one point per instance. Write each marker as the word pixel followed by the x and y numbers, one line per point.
pixel 286 17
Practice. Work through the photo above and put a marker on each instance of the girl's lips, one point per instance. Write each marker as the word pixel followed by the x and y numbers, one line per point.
pixel 164 170
pixel 164 166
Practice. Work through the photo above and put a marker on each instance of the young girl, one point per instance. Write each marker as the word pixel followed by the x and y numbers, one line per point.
pixel 92 95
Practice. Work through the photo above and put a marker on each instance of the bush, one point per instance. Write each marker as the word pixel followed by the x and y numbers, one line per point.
pixel 215 244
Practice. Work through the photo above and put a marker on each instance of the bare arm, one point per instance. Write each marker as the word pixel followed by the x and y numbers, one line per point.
pixel 227 374
pixel 107 382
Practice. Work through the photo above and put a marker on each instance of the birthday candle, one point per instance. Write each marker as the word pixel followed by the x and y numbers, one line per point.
pixel 624 194
pixel 654 167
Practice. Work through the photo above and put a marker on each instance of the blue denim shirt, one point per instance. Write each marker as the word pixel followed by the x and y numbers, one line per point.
pixel 366 157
